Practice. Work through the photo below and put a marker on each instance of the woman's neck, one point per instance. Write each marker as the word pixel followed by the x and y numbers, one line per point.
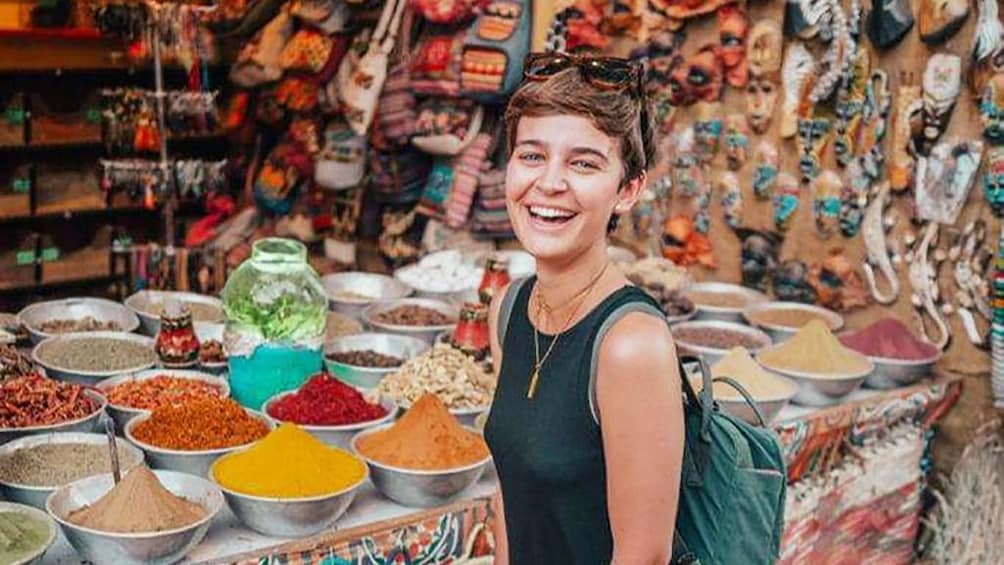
pixel 560 281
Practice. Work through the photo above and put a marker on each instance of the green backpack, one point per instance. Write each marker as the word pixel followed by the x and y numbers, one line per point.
pixel 733 483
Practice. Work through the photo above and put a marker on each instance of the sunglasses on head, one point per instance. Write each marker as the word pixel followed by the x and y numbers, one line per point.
pixel 610 73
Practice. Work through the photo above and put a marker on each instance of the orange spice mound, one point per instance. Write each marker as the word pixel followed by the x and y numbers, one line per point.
pixel 426 438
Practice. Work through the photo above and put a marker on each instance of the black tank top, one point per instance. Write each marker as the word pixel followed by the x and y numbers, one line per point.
pixel 548 451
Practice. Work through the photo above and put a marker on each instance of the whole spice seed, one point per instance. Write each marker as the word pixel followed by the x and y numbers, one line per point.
pixel 456 378
pixel 37 401
pixel 716 338
pixel 57 464
pixel 410 315
pixel 139 503
pixel 213 423
pixel 85 324
pixel 96 354
pixel 718 299
pixel 366 358
pixel 325 401
pixel 786 317
pixel 159 391
pixel 890 339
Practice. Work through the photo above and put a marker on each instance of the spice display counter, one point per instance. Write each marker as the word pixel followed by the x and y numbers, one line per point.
pixel 857 473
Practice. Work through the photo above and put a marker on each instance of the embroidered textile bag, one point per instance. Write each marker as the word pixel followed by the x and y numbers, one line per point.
pixel 396 115
pixel 342 162
pixel 445 11
pixel 492 60
pixel 435 69
pixel 446 126
pixel 360 81
pixel 258 60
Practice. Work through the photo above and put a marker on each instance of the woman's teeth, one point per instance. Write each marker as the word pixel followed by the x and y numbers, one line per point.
pixel 550 214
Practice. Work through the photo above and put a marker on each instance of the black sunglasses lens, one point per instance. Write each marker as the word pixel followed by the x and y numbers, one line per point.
pixel 608 73
pixel 547 66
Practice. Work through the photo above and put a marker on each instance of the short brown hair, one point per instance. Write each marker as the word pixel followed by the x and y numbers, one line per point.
pixel 613 112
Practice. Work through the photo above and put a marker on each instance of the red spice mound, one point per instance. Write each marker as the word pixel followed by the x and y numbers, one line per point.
pixel 891 339
pixel 325 401
pixel 34 400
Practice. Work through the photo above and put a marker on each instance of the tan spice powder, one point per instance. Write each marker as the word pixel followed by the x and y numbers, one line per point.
pixel 139 503
pixel 785 317
pixel 718 299
pixel 815 350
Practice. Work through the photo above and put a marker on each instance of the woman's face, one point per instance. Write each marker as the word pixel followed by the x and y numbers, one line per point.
pixel 562 185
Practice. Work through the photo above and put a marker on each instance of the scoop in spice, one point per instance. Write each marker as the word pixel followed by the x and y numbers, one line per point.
pixel 891 339
pixel 814 350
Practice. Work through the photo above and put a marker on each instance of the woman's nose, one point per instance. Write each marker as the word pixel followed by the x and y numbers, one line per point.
pixel 552 178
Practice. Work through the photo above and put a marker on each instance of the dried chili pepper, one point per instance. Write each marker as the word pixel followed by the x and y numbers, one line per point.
pixel 161 390
pixel 325 401
pixel 213 423
pixel 34 400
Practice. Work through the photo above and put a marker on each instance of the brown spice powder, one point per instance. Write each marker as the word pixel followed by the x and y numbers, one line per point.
pixel 139 503
pixel 786 317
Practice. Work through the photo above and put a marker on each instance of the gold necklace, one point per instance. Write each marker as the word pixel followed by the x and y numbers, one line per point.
pixel 541 306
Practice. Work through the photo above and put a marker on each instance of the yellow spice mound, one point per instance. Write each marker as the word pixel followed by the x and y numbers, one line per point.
pixel 815 350
pixel 740 367
pixel 289 463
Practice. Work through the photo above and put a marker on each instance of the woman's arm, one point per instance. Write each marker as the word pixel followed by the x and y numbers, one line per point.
pixel 641 416
pixel 501 541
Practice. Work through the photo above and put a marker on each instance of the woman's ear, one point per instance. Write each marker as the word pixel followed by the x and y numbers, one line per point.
pixel 630 193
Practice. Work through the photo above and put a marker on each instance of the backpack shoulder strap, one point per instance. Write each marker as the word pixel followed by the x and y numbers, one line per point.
pixel 505 308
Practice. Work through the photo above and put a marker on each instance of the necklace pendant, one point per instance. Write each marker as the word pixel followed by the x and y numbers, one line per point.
pixel 533 383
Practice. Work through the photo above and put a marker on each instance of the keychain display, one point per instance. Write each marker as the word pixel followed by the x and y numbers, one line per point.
pixel 141 179
pixel 196 177
pixel 129 120
pixel 766 161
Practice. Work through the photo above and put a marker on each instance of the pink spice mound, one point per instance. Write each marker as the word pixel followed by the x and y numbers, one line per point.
pixel 891 339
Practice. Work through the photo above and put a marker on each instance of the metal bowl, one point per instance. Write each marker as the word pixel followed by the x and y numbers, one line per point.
pixel 782 333
pixel 157 548
pixel 724 313
pixel 92 377
pixel 712 355
pixel 682 317
pixel 102 310
pixel 769 407
pixel 380 287
pixel 121 414
pixel 86 424
pixel 467 417
pixel 337 436
pixel 192 462
pixel 457 296
pixel 426 333
pixel 421 489
pixel 893 373
pixel 35 495
pixel 822 390
pixel 143 303
pixel 399 346
pixel 289 517
pixel 521 263
pixel 40 515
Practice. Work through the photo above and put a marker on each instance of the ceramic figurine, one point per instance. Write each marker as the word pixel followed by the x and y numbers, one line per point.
pixel 837 284
pixel 944 179
pixel 785 201
pixel 969 265
pixel 813 137
pixel 796 73
pixel 826 191
pixel 909 117
pixel 707 132
pixel 888 22
pixel 761 98
pixel 993 181
pixel 851 100
pixel 732 199
pixel 733 29
pixel 942 84
pixel 939 20
pixel 737 141
pixel 791 283
pixel 987 58
pixel 767 162
pixel 687 173
pixel 873 231
pixel 925 293
pixel 764 49
pixel 758 257
pixel 992 109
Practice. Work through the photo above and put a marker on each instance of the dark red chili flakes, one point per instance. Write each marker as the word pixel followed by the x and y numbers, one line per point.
pixel 34 400
pixel 325 401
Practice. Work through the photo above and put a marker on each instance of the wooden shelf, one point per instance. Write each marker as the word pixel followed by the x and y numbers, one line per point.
pixel 59 50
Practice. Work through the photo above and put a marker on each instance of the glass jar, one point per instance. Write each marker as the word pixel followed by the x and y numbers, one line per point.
pixel 275 308
pixel 176 343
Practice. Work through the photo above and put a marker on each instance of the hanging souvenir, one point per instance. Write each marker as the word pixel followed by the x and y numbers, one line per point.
pixel 993 181
pixel 684 245
pixel 767 162
pixel 969 270
pixel 398 241
pixel 733 29
pixel 853 200
pixel 925 262
pixel 909 117
pixel 851 99
pixel 785 201
pixel 707 132
pixel 686 9
pixel 888 22
pixel 987 57
pixel 687 173
pixel 873 231
pixel 732 199
pixel 939 20
pixel 796 73
pixel 835 61
pixel 837 283
pixel 942 84
pixel 813 137
pixel 699 77
pixel 494 50
pixel 701 210
pixel 280 177
pixel 790 283
pixel 802 18
pixel 870 154
pixel 764 49
pixel 737 141
pixel 342 162
pixel 944 178
pixel 758 258
pixel 761 98
pixel 826 191
pixel 992 109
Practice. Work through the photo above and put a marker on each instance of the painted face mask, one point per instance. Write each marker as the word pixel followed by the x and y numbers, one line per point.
pixel 732 199
pixel 704 74
pixel 826 191
pixel 851 100
pixel 737 141
pixel 802 18
pixel 785 201
pixel 945 178
pixel 764 48
pixel 758 257
pixel 707 133
pixel 993 181
pixel 767 161
pixel 909 117
pixel 992 109
pixel 939 20
pixel 761 98
pixel 813 137
pixel 987 57
pixel 686 172
pixel 796 71
pixel 733 29
pixel 791 282
pixel 942 83
pixel 838 284
pixel 888 22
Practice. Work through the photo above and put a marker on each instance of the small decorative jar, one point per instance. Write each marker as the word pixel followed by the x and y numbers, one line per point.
pixel 176 344
pixel 496 276
pixel 471 334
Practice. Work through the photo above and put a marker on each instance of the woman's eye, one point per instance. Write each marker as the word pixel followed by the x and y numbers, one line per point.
pixel 584 165
pixel 531 157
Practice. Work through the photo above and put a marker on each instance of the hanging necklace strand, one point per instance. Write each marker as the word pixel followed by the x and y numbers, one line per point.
pixel 541 307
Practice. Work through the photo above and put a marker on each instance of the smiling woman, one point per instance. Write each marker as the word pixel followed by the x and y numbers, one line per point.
pixel 587 434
